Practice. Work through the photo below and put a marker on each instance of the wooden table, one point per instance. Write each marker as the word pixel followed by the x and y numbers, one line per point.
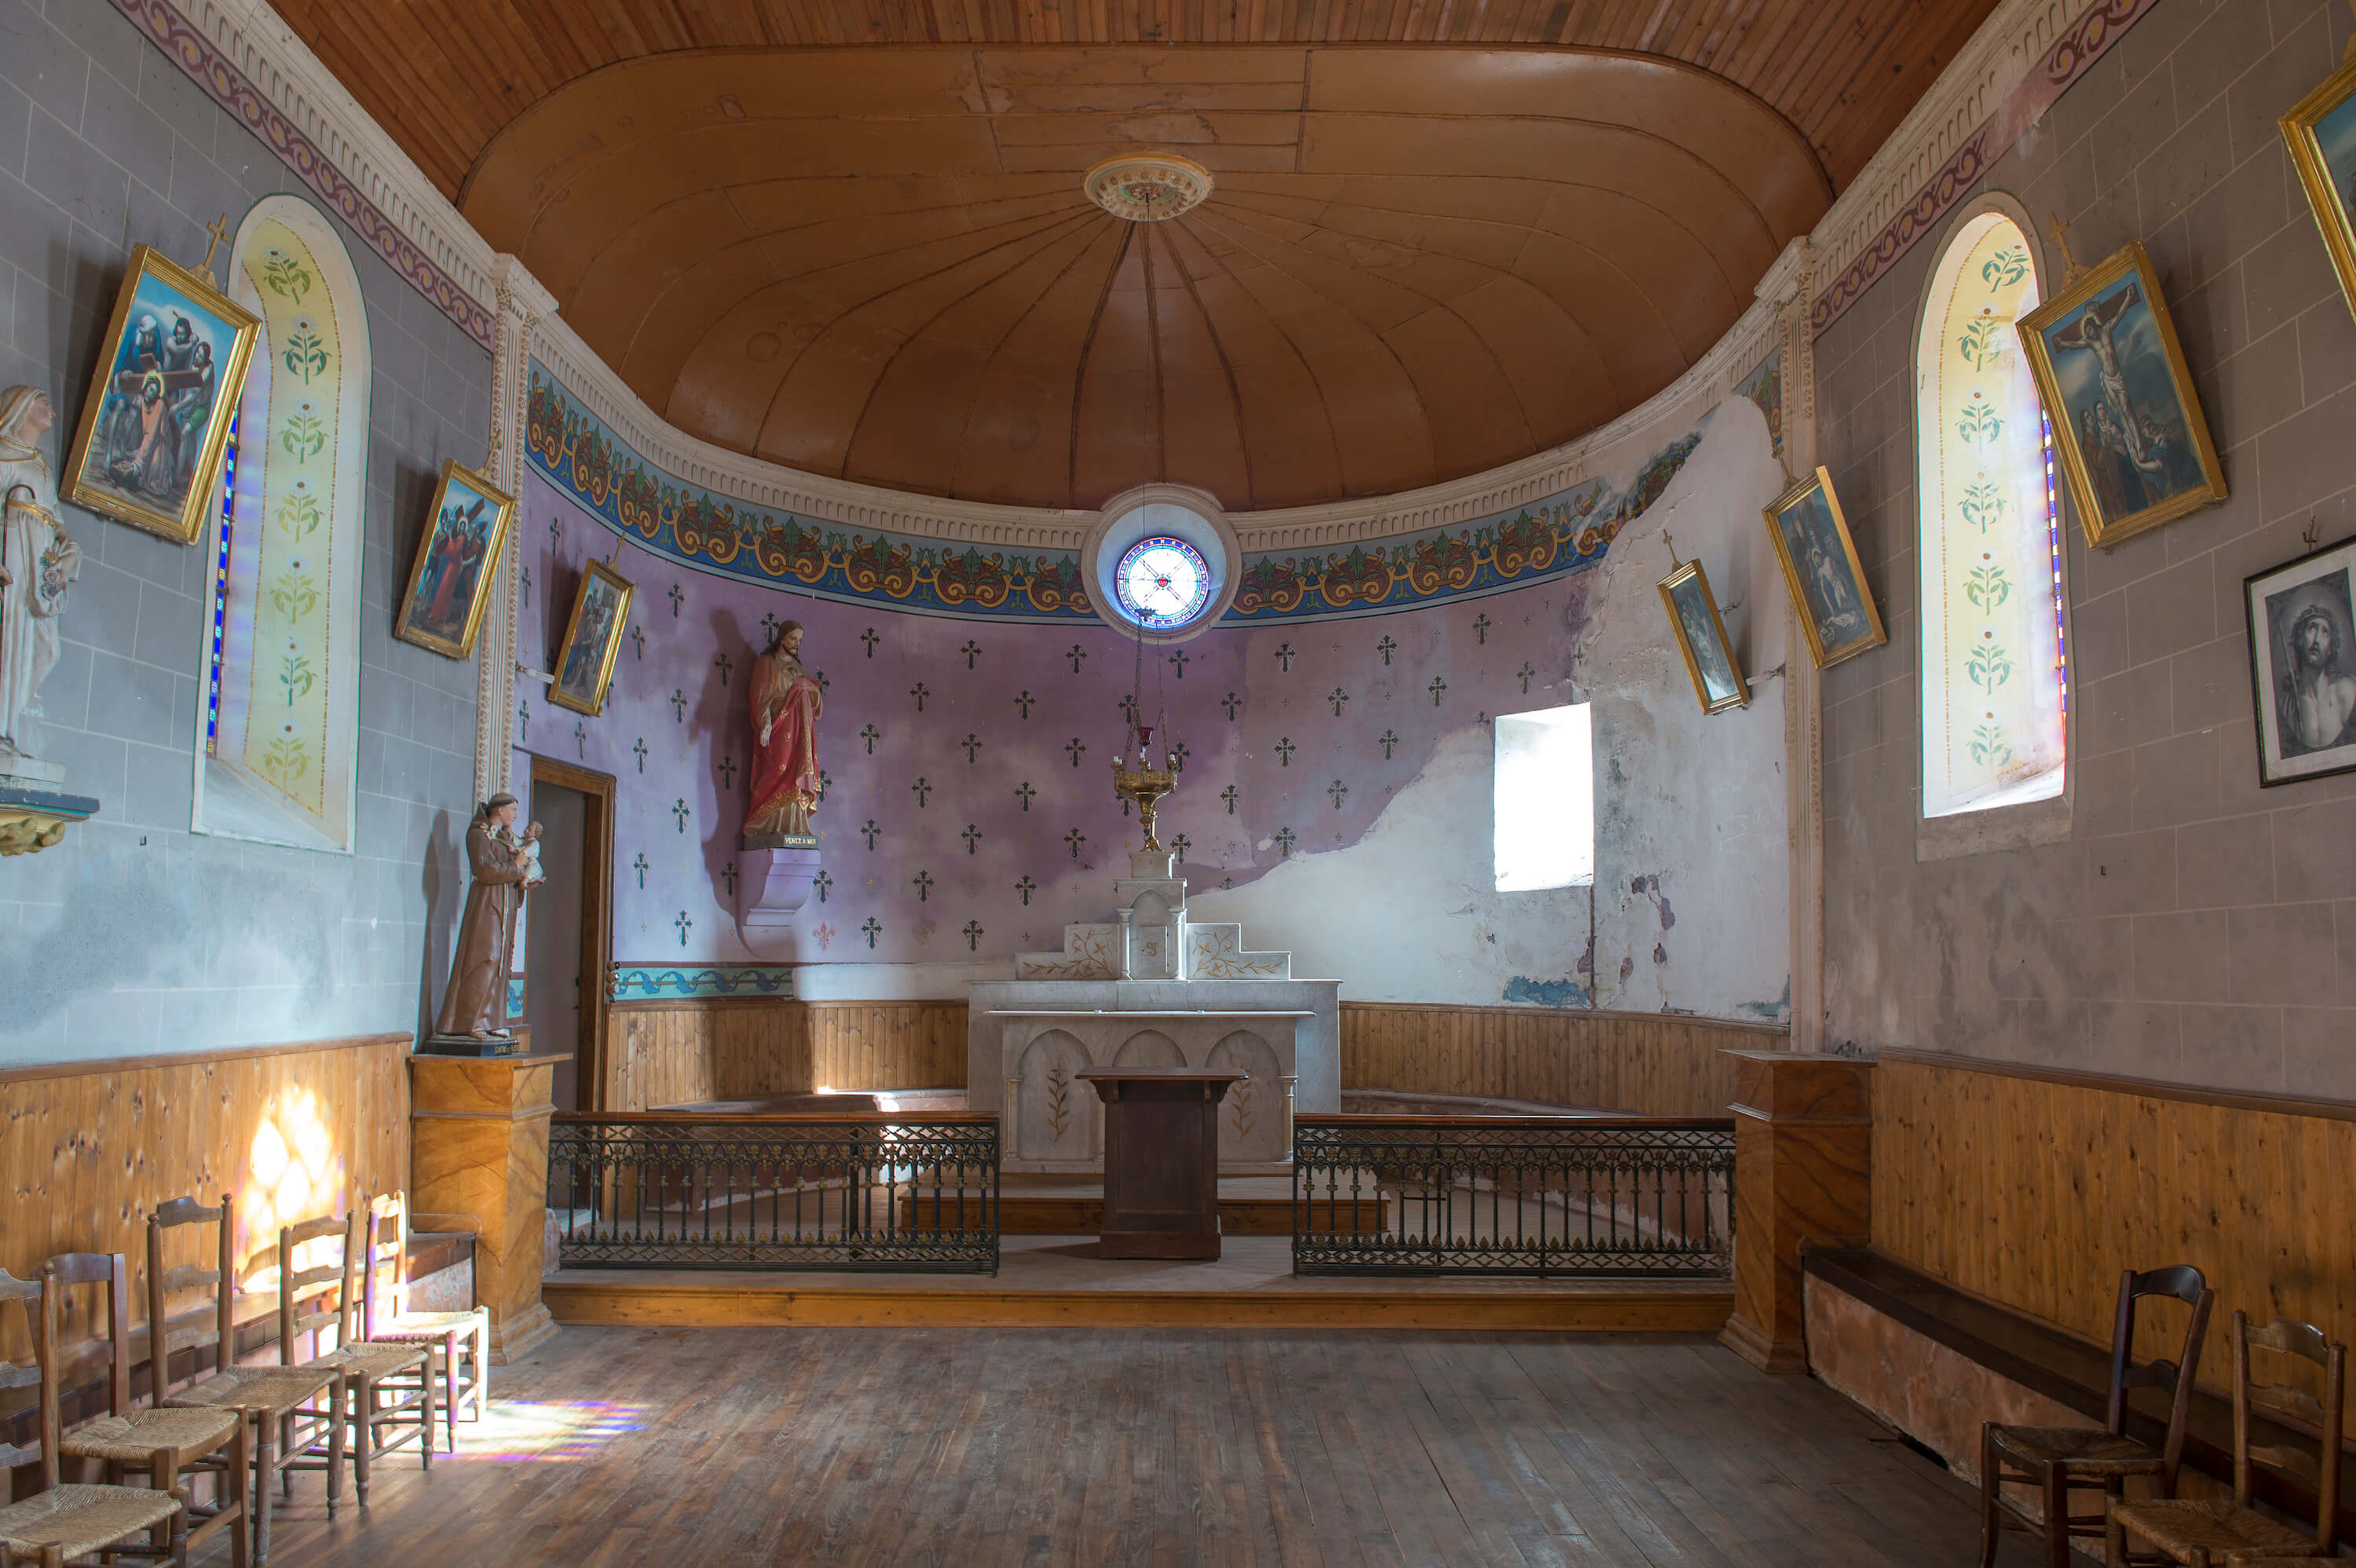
pixel 1161 1160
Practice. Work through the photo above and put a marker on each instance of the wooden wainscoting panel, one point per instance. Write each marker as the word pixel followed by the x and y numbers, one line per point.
pixel 669 1051
pixel 2034 1190
pixel 90 1147
pixel 887 1045
pixel 1649 1064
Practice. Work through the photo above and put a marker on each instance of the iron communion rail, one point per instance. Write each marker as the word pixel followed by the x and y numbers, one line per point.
pixel 1550 1196
pixel 870 1192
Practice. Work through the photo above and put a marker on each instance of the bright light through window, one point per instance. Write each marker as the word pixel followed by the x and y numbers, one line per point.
pixel 1546 799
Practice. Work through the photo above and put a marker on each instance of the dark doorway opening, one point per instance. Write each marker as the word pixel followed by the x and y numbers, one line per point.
pixel 568 927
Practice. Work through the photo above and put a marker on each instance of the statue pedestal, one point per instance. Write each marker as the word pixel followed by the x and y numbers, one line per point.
pixel 773 883
pixel 479 1147
pixel 1802 1170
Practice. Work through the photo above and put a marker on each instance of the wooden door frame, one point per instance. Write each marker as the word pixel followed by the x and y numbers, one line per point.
pixel 597 924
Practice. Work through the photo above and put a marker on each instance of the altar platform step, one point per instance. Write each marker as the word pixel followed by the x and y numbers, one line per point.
pixel 1055 1282
pixel 1248 1206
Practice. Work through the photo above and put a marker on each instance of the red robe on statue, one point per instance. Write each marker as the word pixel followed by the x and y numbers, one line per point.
pixel 785 779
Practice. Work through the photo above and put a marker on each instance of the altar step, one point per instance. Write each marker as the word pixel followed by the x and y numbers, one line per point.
pixel 1059 1282
pixel 1248 1206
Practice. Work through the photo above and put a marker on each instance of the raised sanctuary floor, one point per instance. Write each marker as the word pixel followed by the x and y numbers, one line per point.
pixel 1222 1448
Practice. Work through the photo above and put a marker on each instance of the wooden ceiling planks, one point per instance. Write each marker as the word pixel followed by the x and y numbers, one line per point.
pixel 444 76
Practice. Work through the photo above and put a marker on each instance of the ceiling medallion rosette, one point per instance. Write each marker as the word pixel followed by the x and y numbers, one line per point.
pixel 1148 189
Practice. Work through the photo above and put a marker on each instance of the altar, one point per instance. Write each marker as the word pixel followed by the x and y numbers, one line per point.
pixel 1151 989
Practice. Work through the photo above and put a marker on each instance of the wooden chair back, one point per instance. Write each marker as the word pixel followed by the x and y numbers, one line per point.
pixel 67 1270
pixel 318 1296
pixel 2293 1407
pixel 38 1308
pixel 384 1261
pixel 2182 1282
pixel 165 1338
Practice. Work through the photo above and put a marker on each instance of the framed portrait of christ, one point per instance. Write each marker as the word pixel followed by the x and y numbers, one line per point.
pixel 2320 132
pixel 592 636
pixel 457 563
pixel 2302 618
pixel 1821 569
pixel 1694 621
pixel 170 370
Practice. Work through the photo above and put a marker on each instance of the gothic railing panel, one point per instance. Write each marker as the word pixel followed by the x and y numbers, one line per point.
pixel 868 1192
pixel 1550 1196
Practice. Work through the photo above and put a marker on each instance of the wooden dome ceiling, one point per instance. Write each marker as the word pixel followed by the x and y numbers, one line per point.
pixel 1417 262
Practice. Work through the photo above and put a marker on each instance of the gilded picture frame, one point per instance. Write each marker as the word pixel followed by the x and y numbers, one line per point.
pixel 593 636
pixel 1820 567
pixel 2302 624
pixel 458 563
pixel 2320 132
pixel 1710 661
pixel 2127 421
pixel 147 447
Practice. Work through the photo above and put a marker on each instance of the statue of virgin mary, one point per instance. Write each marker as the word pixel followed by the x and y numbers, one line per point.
pixel 38 561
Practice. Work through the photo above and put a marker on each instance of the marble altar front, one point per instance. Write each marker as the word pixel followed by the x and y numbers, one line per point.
pixel 1151 989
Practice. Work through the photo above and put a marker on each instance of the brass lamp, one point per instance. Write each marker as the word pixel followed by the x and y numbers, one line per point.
pixel 1144 783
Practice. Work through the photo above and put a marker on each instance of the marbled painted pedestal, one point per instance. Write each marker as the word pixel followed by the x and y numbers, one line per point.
pixel 771 888
pixel 1803 1163
pixel 479 1147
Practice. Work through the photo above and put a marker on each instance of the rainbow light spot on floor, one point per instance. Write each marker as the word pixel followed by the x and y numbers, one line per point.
pixel 521 1431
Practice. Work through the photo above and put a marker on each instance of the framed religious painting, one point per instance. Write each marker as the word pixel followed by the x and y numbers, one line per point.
pixel 2126 422
pixel 458 563
pixel 1820 566
pixel 2302 617
pixel 1701 636
pixel 585 666
pixel 2321 131
pixel 170 370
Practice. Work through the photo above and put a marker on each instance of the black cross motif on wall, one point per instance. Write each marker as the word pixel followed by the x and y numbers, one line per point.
pixel 1285 655
pixel 723 664
pixel 679 810
pixel 1128 707
pixel 1025 793
pixel 769 624
pixel 1527 671
pixel 919 691
pixel 1337 697
pixel 825 782
pixel 581 739
pixel 1181 844
pixel 921 789
pixel 1026 887
pixel 1072 841
pixel 1387 740
pixel 1480 629
pixel 728 773
pixel 1231 702
pixel 1481 719
pixel 871 639
pixel 824 883
pixel 1439 685
pixel 526 588
pixel 1023 700
pixel 678 706
pixel 676 598
pixel 871 735
pixel 1178 663
pixel 973 836
pixel 873 929
pixel 872 832
pixel 973 937
pixel 523 719
pixel 1386 648
pixel 1229 794
pixel 923 882
pixel 1339 791
pixel 973 651
pixel 820 676
pixel 1077 748
pixel 728 875
pixel 685 925
pixel 972 744
pixel 1284 750
pixel 555 536
pixel 1076 655
pixel 640 865
pixel 1178 756
pixel 1285 840
pixel 639 747
pixel 638 643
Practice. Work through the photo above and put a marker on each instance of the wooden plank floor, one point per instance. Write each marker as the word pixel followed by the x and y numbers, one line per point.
pixel 1214 1448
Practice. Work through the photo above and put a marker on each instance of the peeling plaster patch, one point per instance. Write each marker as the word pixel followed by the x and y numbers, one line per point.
pixel 1773 1012
pixel 1548 993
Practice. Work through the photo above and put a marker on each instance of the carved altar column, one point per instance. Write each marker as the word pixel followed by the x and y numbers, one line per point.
pixel 522 306
pixel 479 1147
pixel 1803 1172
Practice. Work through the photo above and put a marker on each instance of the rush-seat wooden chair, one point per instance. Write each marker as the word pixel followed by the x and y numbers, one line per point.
pixel 168 1446
pixel 372 1374
pixel 279 1402
pixel 2212 1532
pixel 2053 1459
pixel 460 1341
pixel 61 1523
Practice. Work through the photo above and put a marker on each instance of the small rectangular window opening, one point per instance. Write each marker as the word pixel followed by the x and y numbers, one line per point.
pixel 1546 799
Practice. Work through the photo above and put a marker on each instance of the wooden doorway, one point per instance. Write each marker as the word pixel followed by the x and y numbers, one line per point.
pixel 568 949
